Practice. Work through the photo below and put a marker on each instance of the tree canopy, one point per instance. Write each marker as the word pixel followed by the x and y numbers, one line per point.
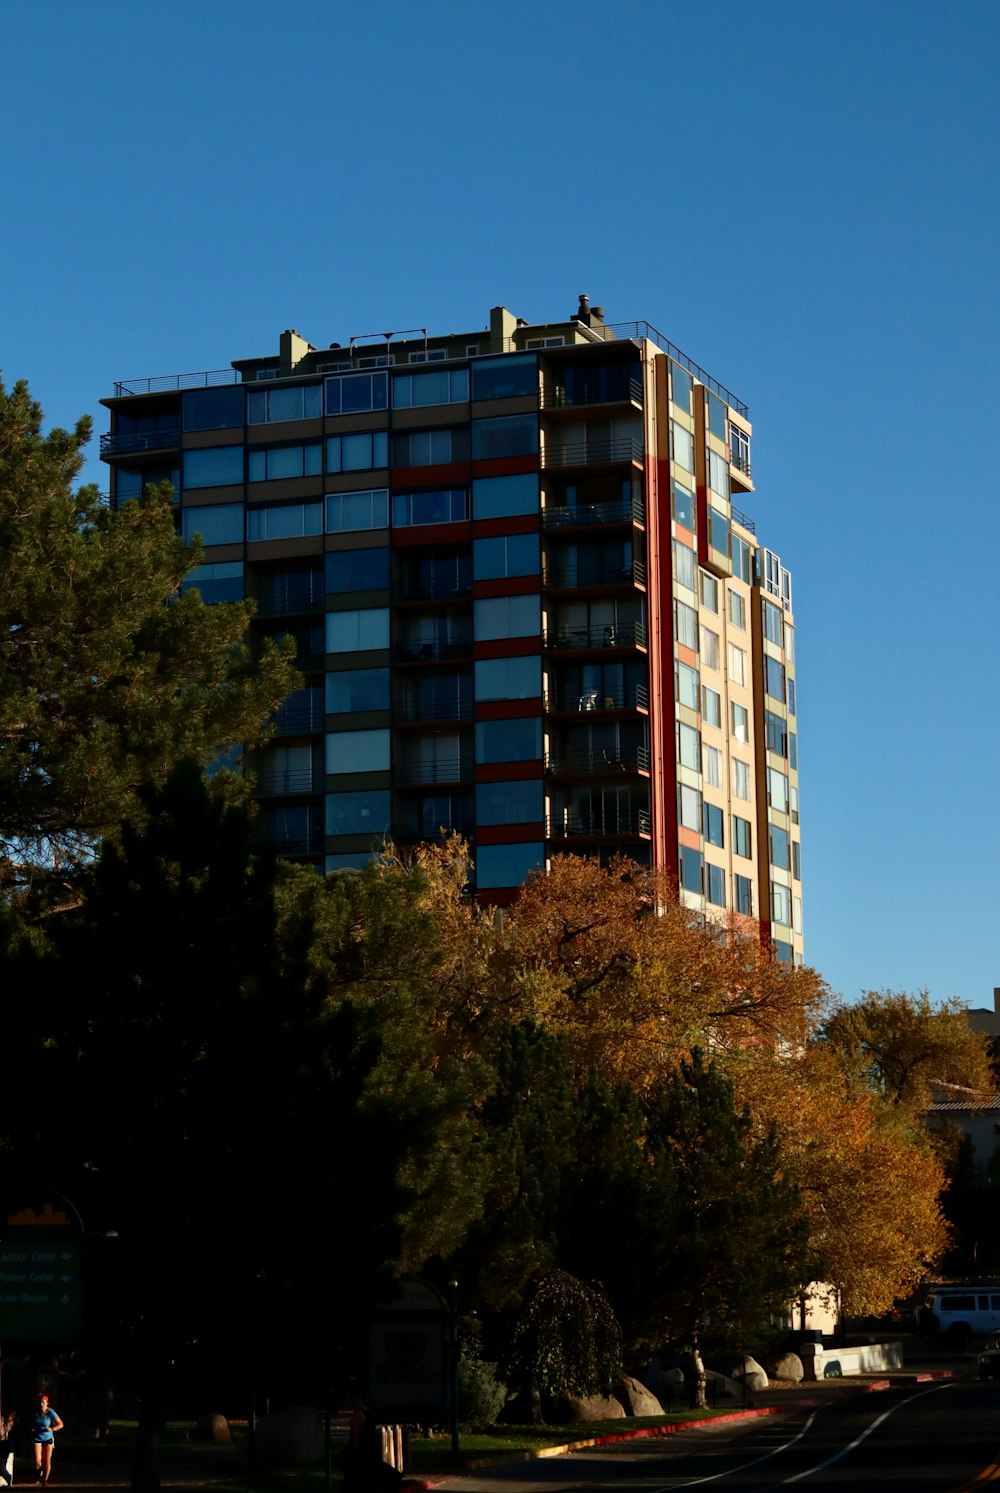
pixel 105 686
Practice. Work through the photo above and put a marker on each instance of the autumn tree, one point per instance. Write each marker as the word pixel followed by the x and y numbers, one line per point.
pixel 904 1045
pixel 105 686
pixel 567 1340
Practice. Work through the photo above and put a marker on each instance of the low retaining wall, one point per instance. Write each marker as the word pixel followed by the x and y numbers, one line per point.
pixel 839 1363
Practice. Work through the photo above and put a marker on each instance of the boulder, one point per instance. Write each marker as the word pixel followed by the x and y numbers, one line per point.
pixel 787 1366
pixel 214 1428
pixel 751 1373
pixel 292 1435
pixel 636 1398
pixel 591 1407
pixel 664 1383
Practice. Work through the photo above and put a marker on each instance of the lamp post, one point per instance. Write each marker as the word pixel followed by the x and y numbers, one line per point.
pixel 453 1289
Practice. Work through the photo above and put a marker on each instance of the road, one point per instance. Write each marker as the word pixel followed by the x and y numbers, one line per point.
pixel 925 1438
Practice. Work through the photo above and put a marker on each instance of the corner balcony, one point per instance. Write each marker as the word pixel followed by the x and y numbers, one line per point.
pixel 570 826
pixel 584 575
pixel 139 442
pixel 604 452
pixel 602 635
pixel 566 701
pixel 608 762
pixel 424 774
pixel 594 515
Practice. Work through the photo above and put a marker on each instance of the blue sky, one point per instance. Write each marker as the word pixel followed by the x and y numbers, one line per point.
pixel 803 196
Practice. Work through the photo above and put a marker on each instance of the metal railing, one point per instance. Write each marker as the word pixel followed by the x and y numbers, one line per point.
pixel 296 594
pixel 436 588
pixel 558 398
pixel 444 770
pixel 113 444
pixel 608 760
pixel 619 511
pixel 631 697
pixel 289 780
pixel 567 575
pixel 293 842
pixel 596 826
pixel 297 715
pixel 168 382
pixel 610 635
pixel 591 453
pixel 743 519
pixel 457 708
pixel 640 331
pixel 418 650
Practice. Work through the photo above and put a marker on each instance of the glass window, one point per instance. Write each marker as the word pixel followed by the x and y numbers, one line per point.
pixel 709 648
pixel 742 837
pixel 715 884
pixel 359 452
pixel 506 555
pixel 684 566
pixel 508 678
pixel 689 808
pixel 440 505
pixel 709 592
pixel 683 505
pixel 285 461
pixel 686 619
pixel 360 813
pixel 793 751
pixel 429 448
pixel 711 765
pixel 505 497
pixel 711 706
pixel 508 435
pixel 773 623
pixel 778 845
pixel 718 475
pixel 680 387
pixel 791 697
pixel 718 531
pixel 132 484
pixel 284 521
pixel 796 864
pixel 284 402
pixel 218 523
pixel 440 386
pixel 687 686
pixel 737 610
pixel 743 895
pixel 356 393
pixel 221 582
pixel 692 870
pixel 781 904
pixel 357 751
pixel 357 570
pixel 740 722
pixel 740 553
pixel 777 790
pixel 348 690
pixel 355 860
pixel 348 512
pixel 737 665
pixel 777 737
pixel 682 442
pixel 713 830
pixel 216 466
pixel 741 778
pixel 508 617
pixel 357 631
pixel 507 865
pixel 510 803
pixel 688 746
pixel 774 678
pixel 509 741
pixel 505 378
pixel 213 409
pixel 716 415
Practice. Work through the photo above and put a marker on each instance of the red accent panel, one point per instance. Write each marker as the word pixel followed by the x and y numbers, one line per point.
pixel 493 528
pixel 507 772
pixel 508 648
pixel 425 536
pixel 520 585
pixel 447 474
pixel 505 466
pixel 507 710
pixel 509 834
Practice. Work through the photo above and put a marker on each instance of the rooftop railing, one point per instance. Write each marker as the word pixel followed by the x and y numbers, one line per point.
pixel 642 330
pixel 167 383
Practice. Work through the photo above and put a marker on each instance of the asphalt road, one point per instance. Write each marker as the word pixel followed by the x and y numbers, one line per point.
pixel 925 1438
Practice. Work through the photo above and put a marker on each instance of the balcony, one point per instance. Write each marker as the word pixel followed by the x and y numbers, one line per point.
pixel 620 697
pixel 301 713
pixel 287 596
pixel 593 515
pixel 272 782
pixel 621 448
pixel 568 825
pixel 622 390
pixel 457 707
pixel 134 442
pixel 436 587
pixel 576 575
pixel 433 650
pixel 444 770
pixel 608 635
pixel 607 762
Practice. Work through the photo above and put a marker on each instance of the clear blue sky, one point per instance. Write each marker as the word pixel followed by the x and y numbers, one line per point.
pixel 802 195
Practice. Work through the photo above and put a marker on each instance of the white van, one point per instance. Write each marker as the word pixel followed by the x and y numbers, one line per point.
pixel 961 1310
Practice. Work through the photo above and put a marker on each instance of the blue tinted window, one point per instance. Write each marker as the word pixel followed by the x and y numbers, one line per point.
pixel 509 803
pixel 218 523
pixel 774 674
pixel 505 378
pixel 683 505
pixel 508 678
pixel 359 452
pixel 284 521
pixel 357 689
pixel 508 617
pixel 713 824
pixel 213 409
pixel 284 402
pixel 718 530
pixel 779 840
pixel 505 497
pixel 285 461
pixel 356 393
pixel 716 415
pixel 443 505
pixel 507 865
pixel 357 570
pixel 680 391
pixel 360 813
pixel 509 435
pixel 221 582
pixel 715 887
pixel 506 555
pixel 692 870
pixel 509 741
pixel 354 511
pixel 216 466
pixel 440 386
pixel 743 895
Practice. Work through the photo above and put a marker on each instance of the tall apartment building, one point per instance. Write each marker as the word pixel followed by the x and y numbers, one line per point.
pixel 526 605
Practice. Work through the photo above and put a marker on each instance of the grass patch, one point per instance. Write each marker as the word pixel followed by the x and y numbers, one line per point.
pixel 433 1454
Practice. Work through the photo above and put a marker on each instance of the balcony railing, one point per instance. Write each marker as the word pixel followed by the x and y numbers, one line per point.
pixel 639 331
pixel 454 708
pixel 419 650
pixel 444 770
pixel 568 825
pixel 581 515
pixel 557 397
pixel 592 453
pixel 743 519
pixel 298 716
pixel 296 594
pixel 610 635
pixel 607 761
pixel 462 825
pixel 113 444
pixel 436 588
pixel 168 381
pixel 629 697
pixel 289 780
pixel 570 575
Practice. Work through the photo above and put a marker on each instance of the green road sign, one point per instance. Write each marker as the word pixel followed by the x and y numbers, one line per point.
pixel 39 1288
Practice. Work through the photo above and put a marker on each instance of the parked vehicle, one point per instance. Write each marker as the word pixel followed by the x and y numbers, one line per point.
pixel 989 1360
pixel 959 1311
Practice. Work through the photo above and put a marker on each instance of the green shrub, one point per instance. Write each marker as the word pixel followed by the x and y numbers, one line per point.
pixel 481 1395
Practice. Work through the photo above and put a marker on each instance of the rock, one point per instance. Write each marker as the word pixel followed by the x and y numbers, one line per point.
pixel 292 1435
pixel 751 1373
pixel 214 1428
pixel 664 1383
pixel 787 1366
pixel 636 1398
pixel 591 1407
